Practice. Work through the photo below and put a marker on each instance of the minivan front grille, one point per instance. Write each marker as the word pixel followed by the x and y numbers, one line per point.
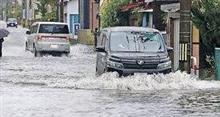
pixel 136 66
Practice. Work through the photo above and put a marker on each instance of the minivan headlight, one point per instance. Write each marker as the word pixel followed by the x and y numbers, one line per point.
pixel 164 65
pixel 114 64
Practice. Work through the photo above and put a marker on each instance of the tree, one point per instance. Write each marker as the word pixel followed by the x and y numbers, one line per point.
pixel 47 9
pixel 206 16
pixel 111 15
pixel 13 10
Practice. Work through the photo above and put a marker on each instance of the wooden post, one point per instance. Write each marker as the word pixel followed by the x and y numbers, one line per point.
pixel 185 35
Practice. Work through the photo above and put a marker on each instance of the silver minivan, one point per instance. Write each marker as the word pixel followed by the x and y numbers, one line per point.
pixel 48 37
pixel 129 50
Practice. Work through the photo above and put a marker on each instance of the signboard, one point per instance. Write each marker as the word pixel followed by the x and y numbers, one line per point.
pixel 74 23
pixel 24 14
pixel 170 7
pixel 76 28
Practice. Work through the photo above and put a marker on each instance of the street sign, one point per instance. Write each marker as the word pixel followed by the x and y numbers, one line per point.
pixel 24 14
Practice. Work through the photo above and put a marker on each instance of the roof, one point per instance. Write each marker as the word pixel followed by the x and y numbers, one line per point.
pixel 61 23
pixel 131 28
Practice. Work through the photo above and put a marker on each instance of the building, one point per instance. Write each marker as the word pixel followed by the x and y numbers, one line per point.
pixel 152 12
pixel 71 15
pixel 89 10
pixel 89 21
pixel 29 14
pixel 173 35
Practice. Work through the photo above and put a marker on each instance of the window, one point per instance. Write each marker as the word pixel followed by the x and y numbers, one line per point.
pixel 34 29
pixel 104 37
pixel 54 28
pixel 136 41
pixel 101 40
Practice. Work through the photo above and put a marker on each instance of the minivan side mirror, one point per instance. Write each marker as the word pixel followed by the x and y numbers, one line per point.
pixel 28 32
pixel 100 49
pixel 169 49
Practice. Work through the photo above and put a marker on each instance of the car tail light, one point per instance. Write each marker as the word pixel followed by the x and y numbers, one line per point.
pixel 43 37
pixel 39 37
pixel 67 38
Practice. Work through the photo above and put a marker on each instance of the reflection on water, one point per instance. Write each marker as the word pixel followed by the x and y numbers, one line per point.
pixel 176 103
pixel 42 101
pixel 200 102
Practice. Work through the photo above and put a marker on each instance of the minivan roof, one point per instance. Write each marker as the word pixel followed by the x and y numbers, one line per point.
pixel 60 23
pixel 131 28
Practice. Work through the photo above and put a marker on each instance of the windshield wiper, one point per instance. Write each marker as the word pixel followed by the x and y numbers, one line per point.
pixel 160 49
pixel 135 41
pixel 128 42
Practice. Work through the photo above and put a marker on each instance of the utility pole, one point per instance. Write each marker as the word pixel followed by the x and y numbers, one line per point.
pixel 61 10
pixel 57 10
pixel 185 35
pixel 1 9
pixel 24 12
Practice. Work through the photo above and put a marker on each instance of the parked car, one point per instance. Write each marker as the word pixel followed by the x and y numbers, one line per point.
pixel 129 50
pixel 48 37
pixel 12 22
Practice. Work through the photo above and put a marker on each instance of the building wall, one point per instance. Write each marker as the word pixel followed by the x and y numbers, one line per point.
pixel 94 10
pixel 71 14
pixel 72 8
pixel 171 31
pixel 195 41
pixel 84 10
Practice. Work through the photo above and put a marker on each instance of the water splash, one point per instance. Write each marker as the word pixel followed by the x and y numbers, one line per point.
pixel 79 73
pixel 140 82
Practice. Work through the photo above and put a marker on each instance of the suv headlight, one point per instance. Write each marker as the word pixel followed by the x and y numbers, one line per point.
pixel 114 64
pixel 164 65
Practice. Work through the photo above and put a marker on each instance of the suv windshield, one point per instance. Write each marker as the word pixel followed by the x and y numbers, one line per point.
pixel 54 28
pixel 136 42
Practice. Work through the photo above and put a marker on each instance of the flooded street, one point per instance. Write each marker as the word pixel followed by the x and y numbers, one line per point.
pixel 67 87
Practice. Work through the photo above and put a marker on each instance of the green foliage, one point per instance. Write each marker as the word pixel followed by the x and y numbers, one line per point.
pixel 110 13
pixel 42 9
pixel 206 16
pixel 13 11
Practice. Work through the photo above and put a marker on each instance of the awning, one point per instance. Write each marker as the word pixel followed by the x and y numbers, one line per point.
pixel 130 6
pixel 140 3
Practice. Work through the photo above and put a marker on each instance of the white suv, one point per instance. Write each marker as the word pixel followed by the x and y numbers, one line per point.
pixel 48 37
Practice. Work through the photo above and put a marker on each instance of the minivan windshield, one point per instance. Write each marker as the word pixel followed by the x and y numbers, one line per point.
pixel 54 28
pixel 136 41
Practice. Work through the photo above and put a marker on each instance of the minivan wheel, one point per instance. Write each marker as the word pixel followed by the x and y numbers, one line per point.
pixel 66 54
pixel 125 74
pixel 96 72
pixel 26 47
pixel 167 71
pixel 37 53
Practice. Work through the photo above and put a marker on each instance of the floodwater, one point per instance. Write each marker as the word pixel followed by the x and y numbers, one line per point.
pixel 67 87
